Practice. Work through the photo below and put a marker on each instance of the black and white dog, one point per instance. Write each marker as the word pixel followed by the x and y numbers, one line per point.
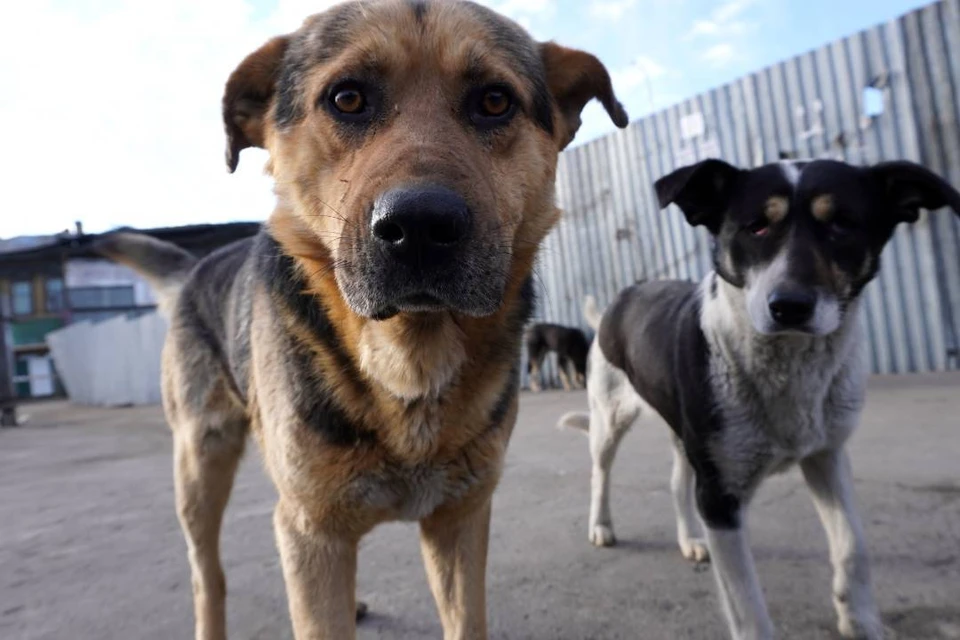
pixel 758 367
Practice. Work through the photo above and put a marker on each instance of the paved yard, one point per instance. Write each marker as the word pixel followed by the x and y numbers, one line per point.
pixel 90 547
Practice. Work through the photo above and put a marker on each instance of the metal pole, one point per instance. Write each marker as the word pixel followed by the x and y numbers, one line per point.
pixel 8 408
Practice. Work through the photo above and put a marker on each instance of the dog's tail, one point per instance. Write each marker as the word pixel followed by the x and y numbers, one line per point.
pixel 163 264
pixel 592 313
pixel 577 420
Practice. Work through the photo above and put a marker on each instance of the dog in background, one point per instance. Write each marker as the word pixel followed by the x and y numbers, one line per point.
pixel 571 346
pixel 760 366
pixel 369 337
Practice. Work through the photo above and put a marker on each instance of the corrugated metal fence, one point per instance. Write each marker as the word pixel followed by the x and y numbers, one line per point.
pixel 892 92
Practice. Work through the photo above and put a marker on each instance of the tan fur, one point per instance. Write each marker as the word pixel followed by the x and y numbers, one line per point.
pixel 822 207
pixel 776 209
pixel 427 383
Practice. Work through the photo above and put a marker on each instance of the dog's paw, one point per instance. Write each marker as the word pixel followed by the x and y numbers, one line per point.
pixel 695 550
pixel 867 627
pixel 601 535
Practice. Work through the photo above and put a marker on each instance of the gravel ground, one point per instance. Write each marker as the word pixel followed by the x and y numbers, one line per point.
pixel 90 546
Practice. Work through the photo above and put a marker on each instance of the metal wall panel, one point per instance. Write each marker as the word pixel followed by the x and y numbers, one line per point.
pixel 613 233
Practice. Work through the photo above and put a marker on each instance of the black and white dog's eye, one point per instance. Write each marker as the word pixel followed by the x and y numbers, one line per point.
pixel 841 227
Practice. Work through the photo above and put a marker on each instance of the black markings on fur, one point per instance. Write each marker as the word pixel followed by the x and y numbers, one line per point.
pixel 718 509
pixel 204 311
pixel 652 333
pixel 510 350
pixel 419 8
pixel 713 286
pixel 526 305
pixel 315 404
pixel 507 396
pixel 314 401
pixel 316 43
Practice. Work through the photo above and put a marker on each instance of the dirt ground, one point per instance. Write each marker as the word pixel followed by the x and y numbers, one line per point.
pixel 90 546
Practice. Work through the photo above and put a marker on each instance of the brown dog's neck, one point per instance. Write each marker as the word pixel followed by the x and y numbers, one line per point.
pixel 411 356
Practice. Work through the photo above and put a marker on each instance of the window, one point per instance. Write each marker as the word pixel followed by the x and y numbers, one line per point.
pixel 101 297
pixel 54 295
pixel 22 294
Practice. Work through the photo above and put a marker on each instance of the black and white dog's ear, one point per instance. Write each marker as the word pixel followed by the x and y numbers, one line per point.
pixel 702 191
pixel 908 187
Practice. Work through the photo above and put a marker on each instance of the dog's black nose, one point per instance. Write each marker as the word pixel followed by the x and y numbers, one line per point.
pixel 420 224
pixel 792 307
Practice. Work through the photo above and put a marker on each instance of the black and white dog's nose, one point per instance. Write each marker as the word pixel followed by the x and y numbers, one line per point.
pixel 422 224
pixel 790 307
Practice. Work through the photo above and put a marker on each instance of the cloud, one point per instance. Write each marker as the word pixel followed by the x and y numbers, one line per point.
pixel 610 9
pixel 637 73
pixel 529 14
pixel 723 21
pixel 719 55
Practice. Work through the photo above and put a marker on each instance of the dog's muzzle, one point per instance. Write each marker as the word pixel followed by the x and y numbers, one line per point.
pixel 792 307
pixel 423 253
pixel 421 228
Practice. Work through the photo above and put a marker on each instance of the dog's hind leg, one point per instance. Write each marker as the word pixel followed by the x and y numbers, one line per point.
pixel 689 528
pixel 830 481
pixel 608 425
pixel 206 454
pixel 533 374
pixel 563 369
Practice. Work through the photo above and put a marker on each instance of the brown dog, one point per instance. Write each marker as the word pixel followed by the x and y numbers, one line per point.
pixel 370 336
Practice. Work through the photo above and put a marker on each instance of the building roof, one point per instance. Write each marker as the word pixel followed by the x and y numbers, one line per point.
pixel 196 238
pixel 20 243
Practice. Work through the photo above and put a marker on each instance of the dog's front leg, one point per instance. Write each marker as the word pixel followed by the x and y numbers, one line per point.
pixel 830 481
pixel 320 571
pixel 454 545
pixel 738 583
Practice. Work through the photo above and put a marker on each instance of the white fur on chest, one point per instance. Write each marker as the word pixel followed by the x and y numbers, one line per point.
pixel 782 397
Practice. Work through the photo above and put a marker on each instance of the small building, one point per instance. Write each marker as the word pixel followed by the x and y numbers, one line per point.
pixel 48 282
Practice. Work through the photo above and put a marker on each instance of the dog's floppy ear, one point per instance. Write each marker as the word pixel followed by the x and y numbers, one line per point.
pixel 247 98
pixel 907 187
pixel 575 78
pixel 702 191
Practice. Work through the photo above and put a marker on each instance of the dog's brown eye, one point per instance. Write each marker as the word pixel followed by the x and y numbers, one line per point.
pixel 495 103
pixel 349 101
pixel 491 107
